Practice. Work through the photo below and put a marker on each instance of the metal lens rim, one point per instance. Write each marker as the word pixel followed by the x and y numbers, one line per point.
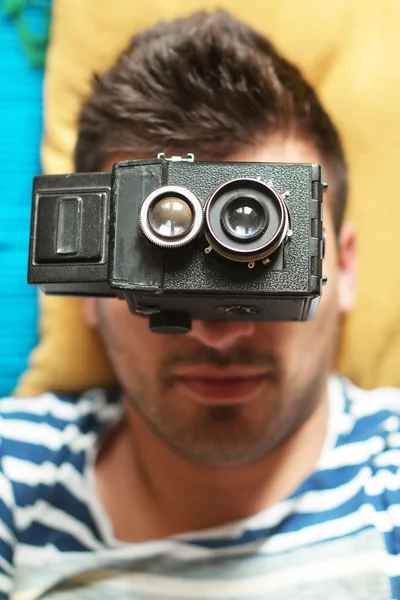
pixel 184 194
pixel 260 252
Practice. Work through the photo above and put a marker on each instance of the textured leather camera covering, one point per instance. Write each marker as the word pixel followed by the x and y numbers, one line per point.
pixel 203 179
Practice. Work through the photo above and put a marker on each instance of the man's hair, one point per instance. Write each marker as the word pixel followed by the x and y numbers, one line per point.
pixel 207 84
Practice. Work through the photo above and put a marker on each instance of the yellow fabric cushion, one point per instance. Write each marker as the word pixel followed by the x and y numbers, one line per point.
pixel 348 50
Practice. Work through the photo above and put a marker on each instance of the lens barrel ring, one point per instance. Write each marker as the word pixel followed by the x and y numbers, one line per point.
pixel 263 246
pixel 244 258
pixel 178 192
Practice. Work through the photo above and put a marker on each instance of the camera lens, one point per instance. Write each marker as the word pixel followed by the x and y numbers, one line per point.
pixel 171 217
pixel 244 218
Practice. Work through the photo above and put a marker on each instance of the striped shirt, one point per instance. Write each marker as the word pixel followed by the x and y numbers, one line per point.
pixel 337 537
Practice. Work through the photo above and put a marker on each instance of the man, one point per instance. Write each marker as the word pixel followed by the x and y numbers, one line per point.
pixel 231 464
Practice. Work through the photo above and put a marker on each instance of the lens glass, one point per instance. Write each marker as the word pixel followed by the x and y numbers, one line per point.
pixel 244 218
pixel 171 217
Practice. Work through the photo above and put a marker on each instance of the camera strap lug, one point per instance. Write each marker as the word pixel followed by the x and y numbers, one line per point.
pixel 189 157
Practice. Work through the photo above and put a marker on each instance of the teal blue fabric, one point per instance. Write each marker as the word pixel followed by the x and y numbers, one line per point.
pixel 23 33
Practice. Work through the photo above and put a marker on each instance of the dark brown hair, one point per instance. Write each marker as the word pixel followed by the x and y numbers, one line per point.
pixel 207 84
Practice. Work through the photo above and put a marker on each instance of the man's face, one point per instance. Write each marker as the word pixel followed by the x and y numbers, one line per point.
pixel 228 393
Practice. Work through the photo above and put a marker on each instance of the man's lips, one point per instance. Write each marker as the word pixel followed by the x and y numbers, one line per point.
pixel 231 385
pixel 210 372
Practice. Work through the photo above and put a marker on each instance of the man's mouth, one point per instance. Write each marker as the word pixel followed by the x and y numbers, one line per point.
pixel 211 385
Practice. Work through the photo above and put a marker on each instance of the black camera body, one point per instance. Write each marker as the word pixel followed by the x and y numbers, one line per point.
pixel 182 240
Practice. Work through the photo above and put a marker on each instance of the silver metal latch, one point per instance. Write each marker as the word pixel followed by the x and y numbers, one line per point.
pixel 190 158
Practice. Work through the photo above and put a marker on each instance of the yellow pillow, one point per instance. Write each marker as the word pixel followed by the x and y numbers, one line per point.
pixel 348 50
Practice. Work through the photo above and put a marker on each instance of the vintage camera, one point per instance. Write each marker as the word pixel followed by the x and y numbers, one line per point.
pixel 181 240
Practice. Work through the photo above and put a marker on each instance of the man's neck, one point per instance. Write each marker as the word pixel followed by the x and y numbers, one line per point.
pixel 139 474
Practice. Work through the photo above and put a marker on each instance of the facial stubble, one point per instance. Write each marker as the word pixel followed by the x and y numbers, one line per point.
pixel 226 435
pixel 217 435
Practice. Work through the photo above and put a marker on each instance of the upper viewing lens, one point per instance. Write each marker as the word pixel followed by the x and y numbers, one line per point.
pixel 171 217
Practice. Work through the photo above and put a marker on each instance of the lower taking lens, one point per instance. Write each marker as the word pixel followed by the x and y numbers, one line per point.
pixel 244 218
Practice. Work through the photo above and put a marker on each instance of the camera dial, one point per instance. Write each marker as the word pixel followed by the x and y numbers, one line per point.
pixel 171 217
pixel 246 221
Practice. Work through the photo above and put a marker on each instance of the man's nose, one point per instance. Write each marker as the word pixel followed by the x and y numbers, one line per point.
pixel 221 335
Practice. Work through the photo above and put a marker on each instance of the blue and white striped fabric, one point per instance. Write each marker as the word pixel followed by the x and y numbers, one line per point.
pixel 337 537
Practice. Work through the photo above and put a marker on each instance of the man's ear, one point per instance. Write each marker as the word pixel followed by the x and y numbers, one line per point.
pixel 89 311
pixel 347 268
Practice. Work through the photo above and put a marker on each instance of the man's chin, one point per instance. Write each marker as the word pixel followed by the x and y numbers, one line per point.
pixel 221 431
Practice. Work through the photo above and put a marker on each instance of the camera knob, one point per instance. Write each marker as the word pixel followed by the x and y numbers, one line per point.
pixel 170 322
